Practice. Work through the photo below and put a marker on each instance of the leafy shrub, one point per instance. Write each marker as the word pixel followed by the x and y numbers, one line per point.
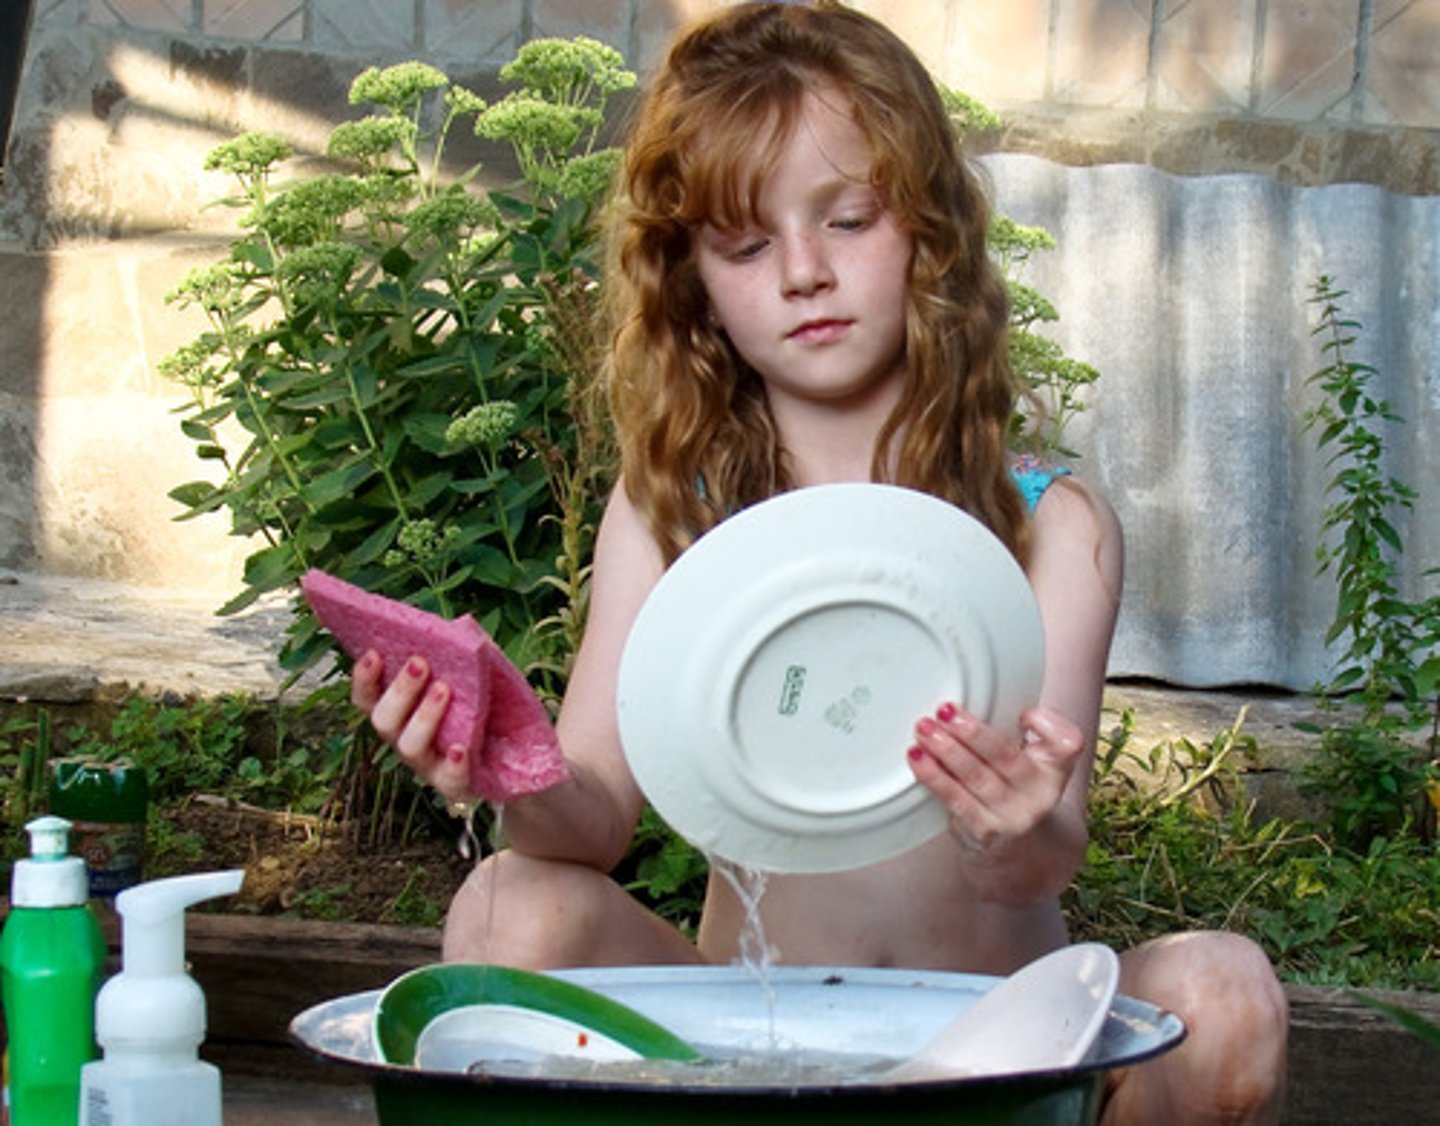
pixel 395 384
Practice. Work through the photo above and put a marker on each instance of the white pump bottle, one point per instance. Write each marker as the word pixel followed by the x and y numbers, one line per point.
pixel 150 1017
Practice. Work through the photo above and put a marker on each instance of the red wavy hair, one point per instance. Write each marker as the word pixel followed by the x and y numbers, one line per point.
pixel 687 408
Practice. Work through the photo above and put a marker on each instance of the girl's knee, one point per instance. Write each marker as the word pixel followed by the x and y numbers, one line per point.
pixel 1220 984
pixel 520 911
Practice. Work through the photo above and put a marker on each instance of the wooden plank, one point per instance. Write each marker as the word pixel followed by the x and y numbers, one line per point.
pixel 1349 1063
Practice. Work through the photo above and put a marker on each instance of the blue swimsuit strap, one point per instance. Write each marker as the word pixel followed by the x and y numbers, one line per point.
pixel 1034 476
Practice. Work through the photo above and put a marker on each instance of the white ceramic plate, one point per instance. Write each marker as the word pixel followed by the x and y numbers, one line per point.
pixel 456 1039
pixel 770 685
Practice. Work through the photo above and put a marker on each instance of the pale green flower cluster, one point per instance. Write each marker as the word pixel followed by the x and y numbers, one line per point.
pixel 370 137
pixel 248 154
pixel 970 115
pixel 452 212
pixel 320 272
pixel 590 177
pixel 396 87
pixel 190 364
pixel 217 288
pixel 310 211
pixel 531 123
pixel 461 101
pixel 384 193
pixel 562 68
pixel 485 426
pixel 419 541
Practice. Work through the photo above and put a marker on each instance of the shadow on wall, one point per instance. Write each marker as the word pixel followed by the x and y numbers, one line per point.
pixel 16 372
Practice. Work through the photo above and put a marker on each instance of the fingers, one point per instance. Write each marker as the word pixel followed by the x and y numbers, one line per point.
pixel 406 715
pixel 390 713
pixel 366 679
pixel 995 782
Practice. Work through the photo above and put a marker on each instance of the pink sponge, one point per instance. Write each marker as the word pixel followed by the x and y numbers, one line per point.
pixel 493 713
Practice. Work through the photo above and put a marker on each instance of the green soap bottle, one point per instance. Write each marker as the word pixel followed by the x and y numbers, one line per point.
pixel 52 957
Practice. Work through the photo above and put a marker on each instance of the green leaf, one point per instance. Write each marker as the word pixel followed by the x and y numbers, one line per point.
pixel 272 568
pixel 428 431
pixel 397 262
pixel 1427 678
pixel 196 430
pixel 198 495
pixel 375 545
pixel 338 483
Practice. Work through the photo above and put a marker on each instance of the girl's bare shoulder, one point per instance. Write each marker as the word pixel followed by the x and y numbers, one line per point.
pixel 1075 521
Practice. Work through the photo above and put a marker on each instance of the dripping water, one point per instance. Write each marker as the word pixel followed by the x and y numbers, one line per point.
pixel 757 956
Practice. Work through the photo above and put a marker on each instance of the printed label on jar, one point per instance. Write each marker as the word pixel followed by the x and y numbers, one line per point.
pixel 113 853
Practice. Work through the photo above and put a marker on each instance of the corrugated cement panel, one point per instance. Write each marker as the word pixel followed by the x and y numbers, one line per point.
pixel 1192 297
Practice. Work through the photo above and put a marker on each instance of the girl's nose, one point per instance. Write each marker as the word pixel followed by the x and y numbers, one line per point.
pixel 806 266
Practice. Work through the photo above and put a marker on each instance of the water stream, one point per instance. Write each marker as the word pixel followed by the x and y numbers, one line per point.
pixel 757 956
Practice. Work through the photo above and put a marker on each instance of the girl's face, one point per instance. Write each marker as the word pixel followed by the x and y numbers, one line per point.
pixel 812 292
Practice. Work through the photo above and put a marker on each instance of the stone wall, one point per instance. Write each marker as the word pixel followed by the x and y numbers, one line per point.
pixel 103 204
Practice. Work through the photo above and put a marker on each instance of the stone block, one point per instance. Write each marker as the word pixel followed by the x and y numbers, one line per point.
pixel 999 53
pixel 104 465
pixel 461 33
pixel 1402 79
pixel 654 28
pixel 24 281
pixel 1102 54
pixel 922 26
pixel 143 15
pixel 366 27
pixel 605 20
pixel 1203 64
pixel 1307 63
pixel 255 21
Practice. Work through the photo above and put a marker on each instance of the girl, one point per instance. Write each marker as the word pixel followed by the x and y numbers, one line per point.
pixel 801 295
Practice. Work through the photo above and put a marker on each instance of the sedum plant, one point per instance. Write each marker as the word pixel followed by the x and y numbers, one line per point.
pixel 1053 383
pixel 394 384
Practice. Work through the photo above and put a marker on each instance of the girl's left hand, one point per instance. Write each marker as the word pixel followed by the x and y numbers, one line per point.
pixel 997 785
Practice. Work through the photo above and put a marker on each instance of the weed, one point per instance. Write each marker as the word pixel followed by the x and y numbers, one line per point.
pixel 412 907
pixel 1372 768
pixel 320 903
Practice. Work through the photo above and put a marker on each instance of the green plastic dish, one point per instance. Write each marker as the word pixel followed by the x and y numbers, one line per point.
pixel 416 999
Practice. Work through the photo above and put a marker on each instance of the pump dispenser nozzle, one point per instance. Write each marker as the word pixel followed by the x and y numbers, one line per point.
pixel 154 919
pixel 150 1017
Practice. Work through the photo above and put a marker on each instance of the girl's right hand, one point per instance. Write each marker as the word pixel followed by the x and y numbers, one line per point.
pixel 406 716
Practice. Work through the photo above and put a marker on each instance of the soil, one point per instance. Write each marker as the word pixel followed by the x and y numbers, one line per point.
pixel 300 866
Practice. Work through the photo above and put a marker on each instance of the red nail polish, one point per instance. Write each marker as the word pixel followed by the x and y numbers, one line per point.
pixel 457 754
pixel 926 726
pixel 945 712
pixel 914 754
pixel 436 692
pixel 414 668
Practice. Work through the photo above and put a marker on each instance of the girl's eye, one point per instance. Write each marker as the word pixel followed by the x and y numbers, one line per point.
pixel 852 222
pixel 745 249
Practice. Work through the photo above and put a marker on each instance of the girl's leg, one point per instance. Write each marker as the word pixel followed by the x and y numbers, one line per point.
pixel 1231 1065
pixel 515 910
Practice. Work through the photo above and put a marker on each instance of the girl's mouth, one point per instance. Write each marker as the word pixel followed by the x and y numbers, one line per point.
pixel 820 331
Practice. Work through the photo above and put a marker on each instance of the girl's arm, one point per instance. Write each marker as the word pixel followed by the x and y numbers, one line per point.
pixel 1018 804
pixel 590 818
